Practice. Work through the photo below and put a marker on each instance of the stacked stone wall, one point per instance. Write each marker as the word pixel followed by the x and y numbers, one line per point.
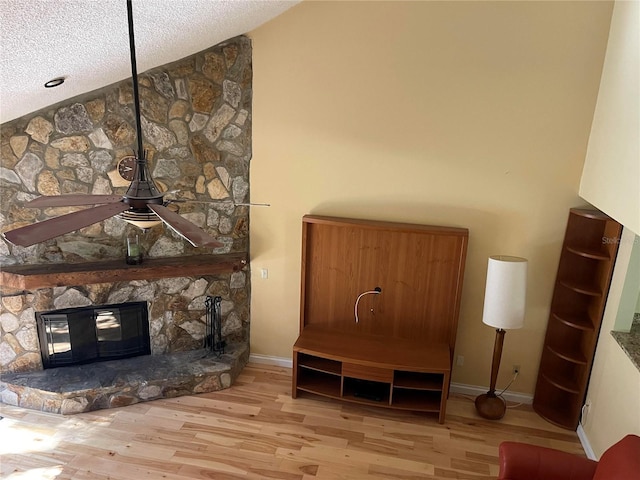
pixel 196 125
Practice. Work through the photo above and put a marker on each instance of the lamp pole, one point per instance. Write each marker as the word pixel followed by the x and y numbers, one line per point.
pixel 489 405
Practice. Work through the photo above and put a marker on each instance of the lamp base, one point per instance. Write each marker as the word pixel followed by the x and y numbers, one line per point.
pixel 490 406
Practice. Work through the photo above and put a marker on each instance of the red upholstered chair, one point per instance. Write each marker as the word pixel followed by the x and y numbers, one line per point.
pixel 520 461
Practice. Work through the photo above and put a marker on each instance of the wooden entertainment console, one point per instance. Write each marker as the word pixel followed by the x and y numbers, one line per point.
pixel 392 347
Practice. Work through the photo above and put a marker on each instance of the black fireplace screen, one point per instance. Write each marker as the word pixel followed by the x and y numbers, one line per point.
pixel 74 336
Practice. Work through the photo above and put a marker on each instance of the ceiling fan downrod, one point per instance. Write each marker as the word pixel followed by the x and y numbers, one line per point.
pixel 142 187
pixel 134 73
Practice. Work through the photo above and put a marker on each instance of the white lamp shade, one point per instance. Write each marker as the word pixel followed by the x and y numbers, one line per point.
pixel 505 292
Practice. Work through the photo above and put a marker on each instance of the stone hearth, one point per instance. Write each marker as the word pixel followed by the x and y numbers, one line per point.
pixel 117 383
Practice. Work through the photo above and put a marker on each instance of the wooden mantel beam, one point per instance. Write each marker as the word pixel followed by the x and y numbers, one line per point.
pixel 28 277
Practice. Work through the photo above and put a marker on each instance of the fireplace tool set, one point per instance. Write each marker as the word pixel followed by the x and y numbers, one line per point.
pixel 213 336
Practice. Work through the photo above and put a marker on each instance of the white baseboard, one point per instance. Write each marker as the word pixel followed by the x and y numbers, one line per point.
pixel 475 390
pixel 586 446
pixel 460 388
pixel 269 360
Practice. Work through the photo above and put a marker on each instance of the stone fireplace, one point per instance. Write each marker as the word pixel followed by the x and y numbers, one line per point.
pixel 196 123
pixel 178 363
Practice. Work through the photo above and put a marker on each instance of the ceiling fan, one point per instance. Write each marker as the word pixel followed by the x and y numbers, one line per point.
pixel 142 205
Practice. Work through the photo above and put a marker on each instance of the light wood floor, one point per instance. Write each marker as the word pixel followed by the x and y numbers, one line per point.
pixel 255 430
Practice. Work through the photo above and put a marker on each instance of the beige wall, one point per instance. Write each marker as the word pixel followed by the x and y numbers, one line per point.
pixel 465 114
pixel 614 386
pixel 611 181
pixel 611 176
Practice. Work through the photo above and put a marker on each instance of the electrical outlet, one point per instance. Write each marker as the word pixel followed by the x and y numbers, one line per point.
pixel 460 360
pixel 584 414
pixel 516 369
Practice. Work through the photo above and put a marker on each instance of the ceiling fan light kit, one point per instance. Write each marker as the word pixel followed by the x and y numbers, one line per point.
pixel 142 205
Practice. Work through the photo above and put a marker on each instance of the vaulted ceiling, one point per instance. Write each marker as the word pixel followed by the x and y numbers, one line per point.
pixel 86 42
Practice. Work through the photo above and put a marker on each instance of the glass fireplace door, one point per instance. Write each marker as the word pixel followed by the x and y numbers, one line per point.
pixel 87 334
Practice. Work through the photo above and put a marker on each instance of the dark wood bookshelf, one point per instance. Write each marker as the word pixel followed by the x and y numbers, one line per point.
pixel 582 284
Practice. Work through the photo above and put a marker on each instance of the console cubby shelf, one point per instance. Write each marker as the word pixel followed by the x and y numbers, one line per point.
pixel 323 366
pixel 320 383
pixel 582 284
pixel 417 401
pixel 417 381
pixel 332 367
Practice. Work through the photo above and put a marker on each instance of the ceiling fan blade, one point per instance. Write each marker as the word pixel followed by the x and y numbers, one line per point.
pixel 183 227
pixel 54 227
pixel 71 200
pixel 219 202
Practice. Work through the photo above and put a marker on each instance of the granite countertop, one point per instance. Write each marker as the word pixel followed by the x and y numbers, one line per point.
pixel 630 341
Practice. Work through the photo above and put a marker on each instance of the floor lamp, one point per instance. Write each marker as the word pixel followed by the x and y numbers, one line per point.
pixel 504 305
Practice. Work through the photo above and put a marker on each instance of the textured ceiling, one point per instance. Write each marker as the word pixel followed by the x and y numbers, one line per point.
pixel 86 41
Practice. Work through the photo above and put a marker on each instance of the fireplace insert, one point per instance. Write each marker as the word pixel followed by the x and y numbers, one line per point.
pixel 73 336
